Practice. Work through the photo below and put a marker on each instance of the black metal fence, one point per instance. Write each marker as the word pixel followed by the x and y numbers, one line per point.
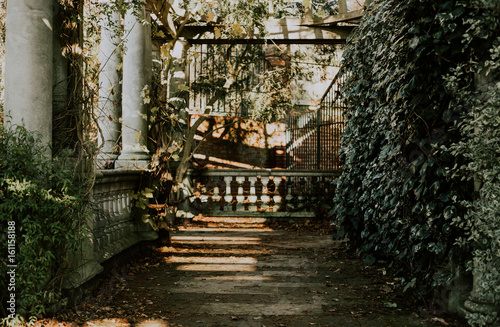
pixel 313 139
pixel 208 73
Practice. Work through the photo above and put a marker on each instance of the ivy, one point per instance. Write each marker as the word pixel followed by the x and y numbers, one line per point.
pixel 410 79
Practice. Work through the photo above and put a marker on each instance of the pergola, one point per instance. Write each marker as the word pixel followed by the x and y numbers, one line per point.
pixel 31 68
pixel 308 30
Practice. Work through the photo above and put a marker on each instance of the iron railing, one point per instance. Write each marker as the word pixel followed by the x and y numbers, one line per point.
pixel 313 138
pixel 208 72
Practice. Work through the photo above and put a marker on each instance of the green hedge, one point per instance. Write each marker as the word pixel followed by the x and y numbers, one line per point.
pixel 406 194
pixel 40 197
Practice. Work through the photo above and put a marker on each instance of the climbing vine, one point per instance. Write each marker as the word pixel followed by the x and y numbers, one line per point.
pixel 401 196
pixel 47 199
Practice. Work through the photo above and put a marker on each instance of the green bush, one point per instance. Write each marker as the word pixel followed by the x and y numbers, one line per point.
pixel 481 147
pixel 402 196
pixel 42 199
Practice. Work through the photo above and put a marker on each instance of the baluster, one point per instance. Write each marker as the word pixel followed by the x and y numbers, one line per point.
pixel 271 190
pixel 246 192
pixel 117 194
pixel 258 192
pixel 122 200
pixel 216 196
pixel 228 198
pixel 295 192
pixel 240 198
pixel 283 191
pixel 303 193
pixel 233 186
pixel 110 192
pixel 222 193
pixel 264 198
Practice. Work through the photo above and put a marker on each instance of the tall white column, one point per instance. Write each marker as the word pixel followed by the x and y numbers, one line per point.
pixel 134 111
pixel 28 65
pixel 109 89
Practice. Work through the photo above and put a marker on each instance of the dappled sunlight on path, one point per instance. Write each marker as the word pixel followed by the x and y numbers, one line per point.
pixel 240 272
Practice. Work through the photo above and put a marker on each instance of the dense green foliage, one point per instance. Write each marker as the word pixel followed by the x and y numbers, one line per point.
pixel 42 200
pixel 412 123
pixel 481 147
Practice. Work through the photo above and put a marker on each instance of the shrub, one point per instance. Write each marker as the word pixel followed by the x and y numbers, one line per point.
pixel 42 199
pixel 402 196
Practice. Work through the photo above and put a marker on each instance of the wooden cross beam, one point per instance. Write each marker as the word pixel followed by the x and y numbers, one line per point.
pixel 281 31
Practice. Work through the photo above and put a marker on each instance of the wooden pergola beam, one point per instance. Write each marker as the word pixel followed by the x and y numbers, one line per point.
pixel 301 29
pixel 280 31
pixel 340 18
pixel 266 41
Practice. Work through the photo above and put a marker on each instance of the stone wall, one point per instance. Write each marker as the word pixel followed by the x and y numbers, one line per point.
pixel 113 227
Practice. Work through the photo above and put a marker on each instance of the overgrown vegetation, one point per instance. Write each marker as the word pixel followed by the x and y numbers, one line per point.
pixel 228 68
pixel 418 135
pixel 43 201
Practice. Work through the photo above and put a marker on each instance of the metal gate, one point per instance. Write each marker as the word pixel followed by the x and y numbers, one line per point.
pixel 313 139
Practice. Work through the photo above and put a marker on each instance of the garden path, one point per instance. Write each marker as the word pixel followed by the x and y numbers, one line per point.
pixel 245 273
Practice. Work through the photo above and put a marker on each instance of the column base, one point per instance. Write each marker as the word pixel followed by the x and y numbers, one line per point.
pixel 137 160
pixel 489 312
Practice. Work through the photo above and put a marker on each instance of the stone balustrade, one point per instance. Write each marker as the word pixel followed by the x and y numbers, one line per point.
pixel 269 192
pixel 114 225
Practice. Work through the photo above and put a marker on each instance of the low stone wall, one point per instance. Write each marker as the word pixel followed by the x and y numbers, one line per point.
pixel 113 226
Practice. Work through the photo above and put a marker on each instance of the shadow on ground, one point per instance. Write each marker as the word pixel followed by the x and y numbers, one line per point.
pixel 242 272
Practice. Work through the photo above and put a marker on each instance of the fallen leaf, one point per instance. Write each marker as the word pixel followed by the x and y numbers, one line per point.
pixel 440 320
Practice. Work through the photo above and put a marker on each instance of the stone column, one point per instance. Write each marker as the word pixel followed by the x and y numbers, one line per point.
pixel 28 65
pixel 134 111
pixel 109 89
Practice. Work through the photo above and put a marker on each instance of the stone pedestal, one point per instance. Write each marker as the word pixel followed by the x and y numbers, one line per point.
pixel 29 66
pixel 109 90
pixel 134 111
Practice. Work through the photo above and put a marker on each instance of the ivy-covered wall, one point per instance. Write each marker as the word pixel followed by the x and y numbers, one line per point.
pixel 420 185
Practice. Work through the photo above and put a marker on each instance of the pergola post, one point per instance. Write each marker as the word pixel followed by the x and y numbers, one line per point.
pixel 177 75
pixel 29 66
pixel 109 89
pixel 134 111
